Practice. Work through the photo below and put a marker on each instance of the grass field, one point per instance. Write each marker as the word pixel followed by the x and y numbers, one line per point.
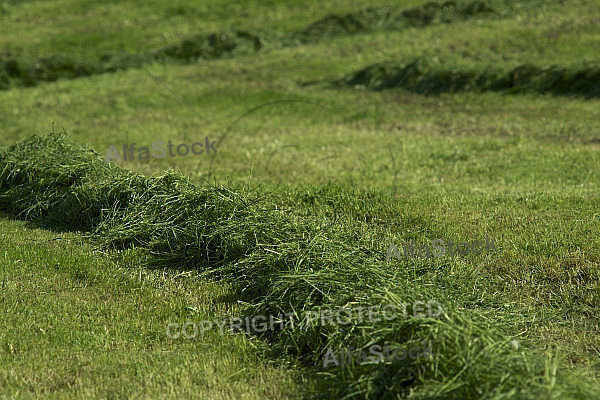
pixel 339 129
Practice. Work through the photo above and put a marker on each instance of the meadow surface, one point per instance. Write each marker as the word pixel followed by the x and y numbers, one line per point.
pixel 339 128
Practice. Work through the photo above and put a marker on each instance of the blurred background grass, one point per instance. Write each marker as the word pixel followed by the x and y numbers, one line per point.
pixel 522 167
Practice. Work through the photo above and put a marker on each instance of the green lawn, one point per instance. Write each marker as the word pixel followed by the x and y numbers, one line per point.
pixel 79 325
pixel 313 178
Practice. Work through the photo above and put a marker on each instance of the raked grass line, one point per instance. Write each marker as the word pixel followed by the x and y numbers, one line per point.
pixel 329 258
pixel 313 184
pixel 428 77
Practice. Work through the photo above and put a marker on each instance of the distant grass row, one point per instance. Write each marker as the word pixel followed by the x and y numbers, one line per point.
pixel 287 250
pixel 432 76
pixel 231 42
pixel 16 72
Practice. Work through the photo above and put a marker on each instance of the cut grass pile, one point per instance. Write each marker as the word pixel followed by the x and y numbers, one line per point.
pixel 299 250
pixel 431 76
pixel 375 19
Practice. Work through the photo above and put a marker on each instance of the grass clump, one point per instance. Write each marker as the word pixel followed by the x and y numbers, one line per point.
pixel 63 185
pixel 29 73
pixel 283 258
pixel 37 175
pixel 214 45
pixel 431 76
pixel 376 19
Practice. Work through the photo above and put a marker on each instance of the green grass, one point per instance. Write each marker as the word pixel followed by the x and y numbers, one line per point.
pixel 311 183
pixel 225 232
pixel 79 325
pixel 236 40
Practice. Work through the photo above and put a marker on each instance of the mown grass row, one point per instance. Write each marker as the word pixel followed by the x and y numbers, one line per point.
pixel 230 42
pixel 300 254
pixel 431 76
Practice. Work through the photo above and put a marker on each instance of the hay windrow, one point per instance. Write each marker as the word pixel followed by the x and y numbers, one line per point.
pixel 225 230
pixel 431 76
pixel 233 41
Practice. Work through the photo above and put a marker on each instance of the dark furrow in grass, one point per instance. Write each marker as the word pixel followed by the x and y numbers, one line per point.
pixel 432 77
pixel 224 230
